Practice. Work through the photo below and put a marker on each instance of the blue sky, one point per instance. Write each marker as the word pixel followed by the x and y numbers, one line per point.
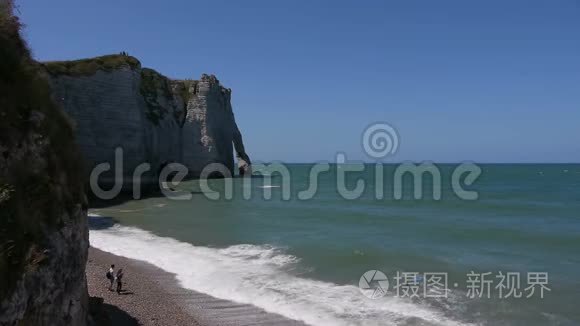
pixel 488 81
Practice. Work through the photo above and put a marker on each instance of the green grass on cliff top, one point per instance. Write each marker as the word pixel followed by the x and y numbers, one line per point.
pixel 89 66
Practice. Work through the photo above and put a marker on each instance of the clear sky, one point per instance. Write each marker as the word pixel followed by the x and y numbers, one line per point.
pixel 488 81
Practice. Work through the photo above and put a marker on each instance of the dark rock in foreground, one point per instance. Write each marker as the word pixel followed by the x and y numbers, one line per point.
pixel 43 221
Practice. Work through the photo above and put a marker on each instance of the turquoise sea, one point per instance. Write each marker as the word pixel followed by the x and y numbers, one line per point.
pixel 304 258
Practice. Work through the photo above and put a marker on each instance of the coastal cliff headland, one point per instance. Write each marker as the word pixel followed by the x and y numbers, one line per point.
pixel 115 103
pixel 58 120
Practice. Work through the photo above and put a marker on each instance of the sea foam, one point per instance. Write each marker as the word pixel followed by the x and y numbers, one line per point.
pixel 255 274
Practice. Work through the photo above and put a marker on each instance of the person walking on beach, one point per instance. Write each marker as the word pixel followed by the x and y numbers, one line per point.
pixel 119 279
pixel 111 276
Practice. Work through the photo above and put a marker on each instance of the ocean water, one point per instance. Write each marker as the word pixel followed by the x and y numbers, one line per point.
pixel 304 258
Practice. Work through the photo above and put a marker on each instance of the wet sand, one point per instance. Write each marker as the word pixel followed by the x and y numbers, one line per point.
pixel 152 296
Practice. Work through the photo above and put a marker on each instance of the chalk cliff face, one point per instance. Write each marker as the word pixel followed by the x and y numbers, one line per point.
pixel 43 222
pixel 153 119
pixel 210 122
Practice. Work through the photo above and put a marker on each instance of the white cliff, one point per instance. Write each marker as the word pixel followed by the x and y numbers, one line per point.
pixel 210 122
pixel 154 119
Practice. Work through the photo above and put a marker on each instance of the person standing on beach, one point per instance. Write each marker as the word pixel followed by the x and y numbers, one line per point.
pixel 111 276
pixel 119 279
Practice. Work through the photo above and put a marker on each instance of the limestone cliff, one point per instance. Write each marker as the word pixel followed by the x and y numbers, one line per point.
pixel 210 122
pixel 117 103
pixel 43 223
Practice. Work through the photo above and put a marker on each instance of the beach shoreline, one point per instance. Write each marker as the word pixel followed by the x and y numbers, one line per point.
pixel 152 296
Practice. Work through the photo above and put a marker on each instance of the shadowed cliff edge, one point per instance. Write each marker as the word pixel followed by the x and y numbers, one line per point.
pixel 43 222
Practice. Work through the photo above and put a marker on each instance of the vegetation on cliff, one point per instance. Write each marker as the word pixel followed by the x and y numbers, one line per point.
pixel 40 173
pixel 155 86
pixel 89 66
pixel 151 82
pixel 186 88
